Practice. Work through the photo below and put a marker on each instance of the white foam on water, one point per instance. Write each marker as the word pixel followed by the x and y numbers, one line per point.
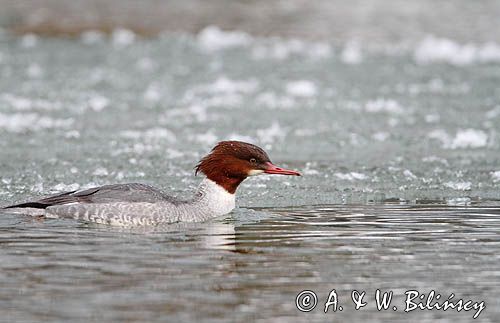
pixel 459 186
pixel 91 37
pixel 273 101
pixel 222 92
pixel 493 113
pixel 459 201
pixel 24 122
pixel 100 171
pixel 383 105
pixel 238 137
pixel 227 100
pixel 409 175
pixel 152 93
pixel 72 134
pixel 489 52
pixel 137 174
pixel 272 134
pixel 29 41
pixel 136 148
pixel 310 172
pixel 122 37
pixel 435 85
pixel 433 159
pixel 61 187
pixel 433 49
pixel 37 187
pixel 208 138
pixel 87 185
pixel 301 88
pixel 173 153
pixel 280 49
pixel 310 169
pixel 464 138
pixel 150 134
pixel 495 176
pixel 34 71
pixel 225 85
pixel 17 102
pixel 469 138
pixel 381 136
pixel 352 53
pixel 352 176
pixel 98 102
pixel 212 38
pixel 195 111
pixel 199 112
pixel 432 118
pixel 305 132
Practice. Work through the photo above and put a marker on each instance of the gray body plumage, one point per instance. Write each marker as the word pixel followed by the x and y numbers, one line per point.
pixel 133 204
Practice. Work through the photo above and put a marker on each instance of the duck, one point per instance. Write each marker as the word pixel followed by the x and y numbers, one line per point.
pixel 227 165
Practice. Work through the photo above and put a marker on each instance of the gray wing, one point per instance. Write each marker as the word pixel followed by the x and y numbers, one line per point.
pixel 132 192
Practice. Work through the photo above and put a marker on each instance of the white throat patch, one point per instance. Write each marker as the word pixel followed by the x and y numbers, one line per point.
pixel 254 172
pixel 216 198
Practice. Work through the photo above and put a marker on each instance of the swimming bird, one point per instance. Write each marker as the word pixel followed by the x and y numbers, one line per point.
pixel 225 167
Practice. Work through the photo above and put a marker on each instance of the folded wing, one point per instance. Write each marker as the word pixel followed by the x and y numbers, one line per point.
pixel 132 192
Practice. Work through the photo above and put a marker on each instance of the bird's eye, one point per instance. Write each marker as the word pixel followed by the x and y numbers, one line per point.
pixel 253 160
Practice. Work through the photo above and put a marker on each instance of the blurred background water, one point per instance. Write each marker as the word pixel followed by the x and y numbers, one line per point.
pixel 389 108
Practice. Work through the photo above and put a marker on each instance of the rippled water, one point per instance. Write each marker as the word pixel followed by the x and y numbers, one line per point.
pixel 415 124
pixel 412 124
pixel 251 266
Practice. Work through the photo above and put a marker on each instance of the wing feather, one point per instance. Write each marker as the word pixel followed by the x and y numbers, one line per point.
pixel 131 192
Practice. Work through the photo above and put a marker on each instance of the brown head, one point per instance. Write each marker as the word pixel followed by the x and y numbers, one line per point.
pixel 230 162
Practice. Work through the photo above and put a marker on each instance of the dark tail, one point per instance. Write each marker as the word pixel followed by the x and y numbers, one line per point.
pixel 35 205
pixel 45 202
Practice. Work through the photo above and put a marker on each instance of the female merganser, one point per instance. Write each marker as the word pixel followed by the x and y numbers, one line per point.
pixel 225 167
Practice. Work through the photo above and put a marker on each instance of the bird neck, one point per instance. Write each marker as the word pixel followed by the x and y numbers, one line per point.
pixel 213 198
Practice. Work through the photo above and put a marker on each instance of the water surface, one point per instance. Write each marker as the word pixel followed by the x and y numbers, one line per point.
pixel 251 265
pixel 398 144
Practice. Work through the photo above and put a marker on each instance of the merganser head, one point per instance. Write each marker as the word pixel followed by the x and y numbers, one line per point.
pixel 230 162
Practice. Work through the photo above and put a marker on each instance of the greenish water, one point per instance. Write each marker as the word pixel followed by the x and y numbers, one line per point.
pixel 367 129
pixel 251 265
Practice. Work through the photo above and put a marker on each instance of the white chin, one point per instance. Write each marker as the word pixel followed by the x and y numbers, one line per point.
pixel 254 172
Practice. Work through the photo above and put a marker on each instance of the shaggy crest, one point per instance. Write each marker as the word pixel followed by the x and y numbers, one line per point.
pixel 230 162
